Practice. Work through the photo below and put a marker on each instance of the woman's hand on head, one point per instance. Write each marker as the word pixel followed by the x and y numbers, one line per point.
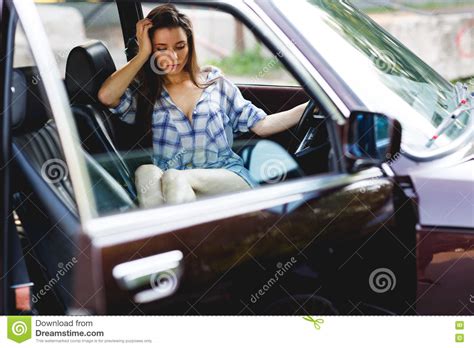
pixel 144 42
pixel 114 87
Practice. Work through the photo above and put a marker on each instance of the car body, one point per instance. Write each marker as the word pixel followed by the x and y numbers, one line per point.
pixel 378 223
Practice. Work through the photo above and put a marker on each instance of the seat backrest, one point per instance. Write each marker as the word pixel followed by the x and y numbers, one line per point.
pixel 87 67
pixel 35 139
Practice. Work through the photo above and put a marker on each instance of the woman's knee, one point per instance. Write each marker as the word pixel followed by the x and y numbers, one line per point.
pixel 148 185
pixel 173 178
pixel 176 188
pixel 171 175
pixel 146 170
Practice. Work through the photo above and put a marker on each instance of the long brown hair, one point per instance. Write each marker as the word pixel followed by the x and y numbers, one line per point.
pixel 149 81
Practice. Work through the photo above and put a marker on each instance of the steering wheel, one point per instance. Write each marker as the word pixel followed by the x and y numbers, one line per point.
pixel 301 127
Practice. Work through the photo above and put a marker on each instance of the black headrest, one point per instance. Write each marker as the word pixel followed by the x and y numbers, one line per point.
pixel 87 67
pixel 29 107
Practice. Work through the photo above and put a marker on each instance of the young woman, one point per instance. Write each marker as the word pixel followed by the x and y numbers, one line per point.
pixel 188 113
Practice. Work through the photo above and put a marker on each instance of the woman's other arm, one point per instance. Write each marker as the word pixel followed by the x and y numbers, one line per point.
pixel 279 122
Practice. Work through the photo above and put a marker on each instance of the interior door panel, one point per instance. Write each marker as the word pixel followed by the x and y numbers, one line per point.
pixel 274 99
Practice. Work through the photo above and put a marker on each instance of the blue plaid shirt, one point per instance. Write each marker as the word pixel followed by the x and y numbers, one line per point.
pixel 220 112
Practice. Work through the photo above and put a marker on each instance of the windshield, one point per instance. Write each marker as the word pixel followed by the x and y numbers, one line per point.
pixel 384 74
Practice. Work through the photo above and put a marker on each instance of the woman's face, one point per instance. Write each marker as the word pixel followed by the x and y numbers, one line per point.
pixel 170 49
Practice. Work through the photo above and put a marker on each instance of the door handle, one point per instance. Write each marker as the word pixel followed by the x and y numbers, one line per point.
pixel 161 272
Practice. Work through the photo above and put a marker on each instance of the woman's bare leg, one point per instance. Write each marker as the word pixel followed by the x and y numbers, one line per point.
pixel 214 181
pixel 148 185
pixel 180 186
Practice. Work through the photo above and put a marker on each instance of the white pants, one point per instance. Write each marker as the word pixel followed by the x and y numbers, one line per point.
pixel 155 187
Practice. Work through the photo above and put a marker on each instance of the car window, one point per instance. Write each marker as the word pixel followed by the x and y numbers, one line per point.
pixel 224 41
pixel 215 153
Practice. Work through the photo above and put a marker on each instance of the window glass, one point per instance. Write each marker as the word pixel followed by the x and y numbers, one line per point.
pixel 72 23
pixel 225 42
pixel 214 151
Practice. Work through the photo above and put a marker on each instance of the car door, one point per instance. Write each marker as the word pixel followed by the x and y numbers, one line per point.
pixel 289 246
pixel 45 206
pixel 311 220
pixel 293 245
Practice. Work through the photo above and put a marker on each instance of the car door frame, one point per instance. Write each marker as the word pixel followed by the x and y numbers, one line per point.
pixel 283 194
pixel 115 230
pixel 106 232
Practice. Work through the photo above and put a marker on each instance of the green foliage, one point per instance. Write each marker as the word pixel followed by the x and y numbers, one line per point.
pixel 251 62
pixel 467 80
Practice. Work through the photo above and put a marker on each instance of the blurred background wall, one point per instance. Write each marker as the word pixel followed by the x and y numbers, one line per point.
pixel 441 32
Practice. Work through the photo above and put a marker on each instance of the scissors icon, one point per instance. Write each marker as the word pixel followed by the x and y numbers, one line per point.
pixel 316 322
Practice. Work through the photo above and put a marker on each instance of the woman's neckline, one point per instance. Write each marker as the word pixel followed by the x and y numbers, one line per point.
pixel 201 97
pixel 205 80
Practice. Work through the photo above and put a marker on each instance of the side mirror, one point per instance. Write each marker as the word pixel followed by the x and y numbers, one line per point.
pixel 371 139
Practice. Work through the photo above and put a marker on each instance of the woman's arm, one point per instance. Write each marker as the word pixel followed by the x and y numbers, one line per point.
pixel 279 122
pixel 114 87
